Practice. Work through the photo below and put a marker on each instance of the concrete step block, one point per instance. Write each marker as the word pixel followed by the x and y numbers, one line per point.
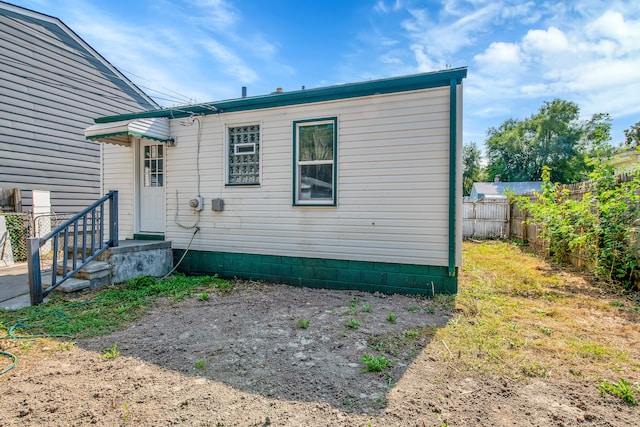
pixel 93 270
pixel 100 281
pixel 73 285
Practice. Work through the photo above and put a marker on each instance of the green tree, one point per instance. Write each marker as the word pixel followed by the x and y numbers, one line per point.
pixel 473 171
pixel 632 136
pixel 518 150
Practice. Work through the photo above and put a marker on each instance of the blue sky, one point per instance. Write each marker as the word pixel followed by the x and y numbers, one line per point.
pixel 519 53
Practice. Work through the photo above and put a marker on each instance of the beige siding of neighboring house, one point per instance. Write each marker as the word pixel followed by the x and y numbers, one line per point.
pixel 392 193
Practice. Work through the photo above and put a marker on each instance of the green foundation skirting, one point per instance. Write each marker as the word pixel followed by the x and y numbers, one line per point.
pixel 366 276
pixel 148 236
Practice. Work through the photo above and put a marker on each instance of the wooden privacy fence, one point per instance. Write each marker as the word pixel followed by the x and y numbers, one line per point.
pixel 500 219
pixel 486 219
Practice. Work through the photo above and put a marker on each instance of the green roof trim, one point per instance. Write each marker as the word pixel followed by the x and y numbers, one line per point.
pixel 306 96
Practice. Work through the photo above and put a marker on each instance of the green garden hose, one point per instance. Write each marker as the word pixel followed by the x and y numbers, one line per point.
pixel 14 361
pixel 61 318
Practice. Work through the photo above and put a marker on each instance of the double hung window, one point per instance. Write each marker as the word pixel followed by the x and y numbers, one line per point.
pixel 315 146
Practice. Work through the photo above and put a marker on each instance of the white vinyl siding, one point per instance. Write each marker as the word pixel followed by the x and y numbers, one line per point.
pixel 392 159
pixel 120 175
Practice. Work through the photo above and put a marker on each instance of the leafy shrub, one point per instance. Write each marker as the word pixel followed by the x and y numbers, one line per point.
pixel 603 225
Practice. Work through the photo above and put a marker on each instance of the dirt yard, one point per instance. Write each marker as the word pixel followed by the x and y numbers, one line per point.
pixel 244 358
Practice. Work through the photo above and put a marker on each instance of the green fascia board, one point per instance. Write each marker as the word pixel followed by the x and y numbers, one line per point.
pixel 305 96
pixel 453 157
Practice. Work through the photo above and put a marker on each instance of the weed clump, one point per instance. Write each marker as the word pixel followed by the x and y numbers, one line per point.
pixel 375 363
pixel 622 389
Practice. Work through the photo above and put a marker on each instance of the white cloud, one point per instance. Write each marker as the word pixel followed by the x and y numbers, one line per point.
pixel 389 58
pixel 528 12
pixel 500 56
pixel 591 60
pixel 545 42
pixel 231 63
pixel 425 63
pixel 217 15
pixel 382 8
pixel 613 29
pixel 443 37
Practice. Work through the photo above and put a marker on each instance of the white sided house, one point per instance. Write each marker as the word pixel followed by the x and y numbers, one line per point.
pixel 355 186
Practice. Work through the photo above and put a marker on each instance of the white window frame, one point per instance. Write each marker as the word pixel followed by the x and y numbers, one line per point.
pixel 298 196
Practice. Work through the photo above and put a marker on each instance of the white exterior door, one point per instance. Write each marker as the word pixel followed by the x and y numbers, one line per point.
pixel 151 187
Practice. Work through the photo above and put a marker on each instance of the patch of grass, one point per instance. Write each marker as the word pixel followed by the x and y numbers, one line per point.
pixel 545 330
pixel 203 296
pixel 105 310
pixel 353 323
pixel 446 302
pixel 388 381
pixel 223 285
pixel 376 343
pixel 430 310
pixel 201 362
pixel 409 334
pixel 414 308
pixel 380 402
pixel 375 363
pixel 126 415
pixel 622 389
pixel 392 317
pixel 405 344
pixel 353 307
pixel 65 345
pixel 303 323
pixel 519 316
pixel 366 307
pixel 535 369
pixel 111 352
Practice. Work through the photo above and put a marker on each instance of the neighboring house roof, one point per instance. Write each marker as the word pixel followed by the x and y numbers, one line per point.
pixel 498 189
pixel 58 37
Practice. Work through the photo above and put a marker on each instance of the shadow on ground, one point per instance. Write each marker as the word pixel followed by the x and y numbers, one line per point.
pixel 251 339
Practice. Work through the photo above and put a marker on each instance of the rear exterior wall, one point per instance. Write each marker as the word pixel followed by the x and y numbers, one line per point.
pixel 388 231
pixel 392 185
